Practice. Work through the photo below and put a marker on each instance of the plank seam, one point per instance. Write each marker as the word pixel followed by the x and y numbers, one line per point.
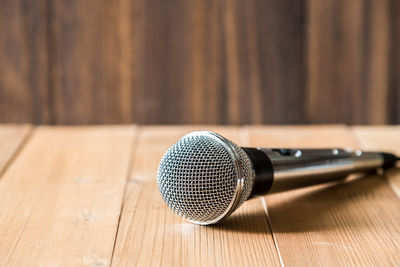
pixel 18 150
pixel 132 154
pixel 264 204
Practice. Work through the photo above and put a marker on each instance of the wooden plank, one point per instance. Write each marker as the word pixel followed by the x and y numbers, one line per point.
pixel 339 224
pixel 24 95
pixel 151 234
pixel 383 138
pixel 348 58
pixel 394 93
pixel 264 61
pixel 376 56
pixel 60 200
pixel 90 58
pixel 11 139
pixel 334 42
pixel 132 60
pixel 178 56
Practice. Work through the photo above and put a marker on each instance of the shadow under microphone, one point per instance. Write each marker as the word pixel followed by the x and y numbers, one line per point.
pixel 204 177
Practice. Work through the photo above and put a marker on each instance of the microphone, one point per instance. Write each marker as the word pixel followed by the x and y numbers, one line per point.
pixel 204 177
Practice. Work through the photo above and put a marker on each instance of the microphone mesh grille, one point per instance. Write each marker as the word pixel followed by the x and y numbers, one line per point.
pixel 198 180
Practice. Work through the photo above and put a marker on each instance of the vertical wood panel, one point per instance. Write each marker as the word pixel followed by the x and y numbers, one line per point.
pixel 180 62
pixel 282 60
pixel 348 61
pixel 376 68
pixel 87 59
pixel 265 58
pixel 23 62
pixel 208 75
pixel 152 28
pixel 334 65
pixel 394 94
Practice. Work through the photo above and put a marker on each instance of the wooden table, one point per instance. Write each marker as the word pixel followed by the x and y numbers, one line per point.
pixel 88 196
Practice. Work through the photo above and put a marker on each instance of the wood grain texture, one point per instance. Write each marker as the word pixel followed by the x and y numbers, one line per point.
pixel 382 138
pixel 24 95
pixel 394 94
pixel 376 63
pixel 89 75
pixel 179 61
pixel 199 62
pixel 265 59
pixel 335 37
pixel 348 223
pixel 150 234
pixel 87 196
pixel 11 139
pixel 60 200
pixel 348 59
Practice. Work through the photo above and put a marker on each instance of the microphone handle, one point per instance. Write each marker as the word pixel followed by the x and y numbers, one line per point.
pixel 279 170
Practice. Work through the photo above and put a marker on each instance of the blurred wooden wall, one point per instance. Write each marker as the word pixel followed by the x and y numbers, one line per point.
pixel 205 61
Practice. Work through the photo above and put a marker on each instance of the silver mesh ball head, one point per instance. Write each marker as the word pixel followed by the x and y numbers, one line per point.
pixel 205 177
